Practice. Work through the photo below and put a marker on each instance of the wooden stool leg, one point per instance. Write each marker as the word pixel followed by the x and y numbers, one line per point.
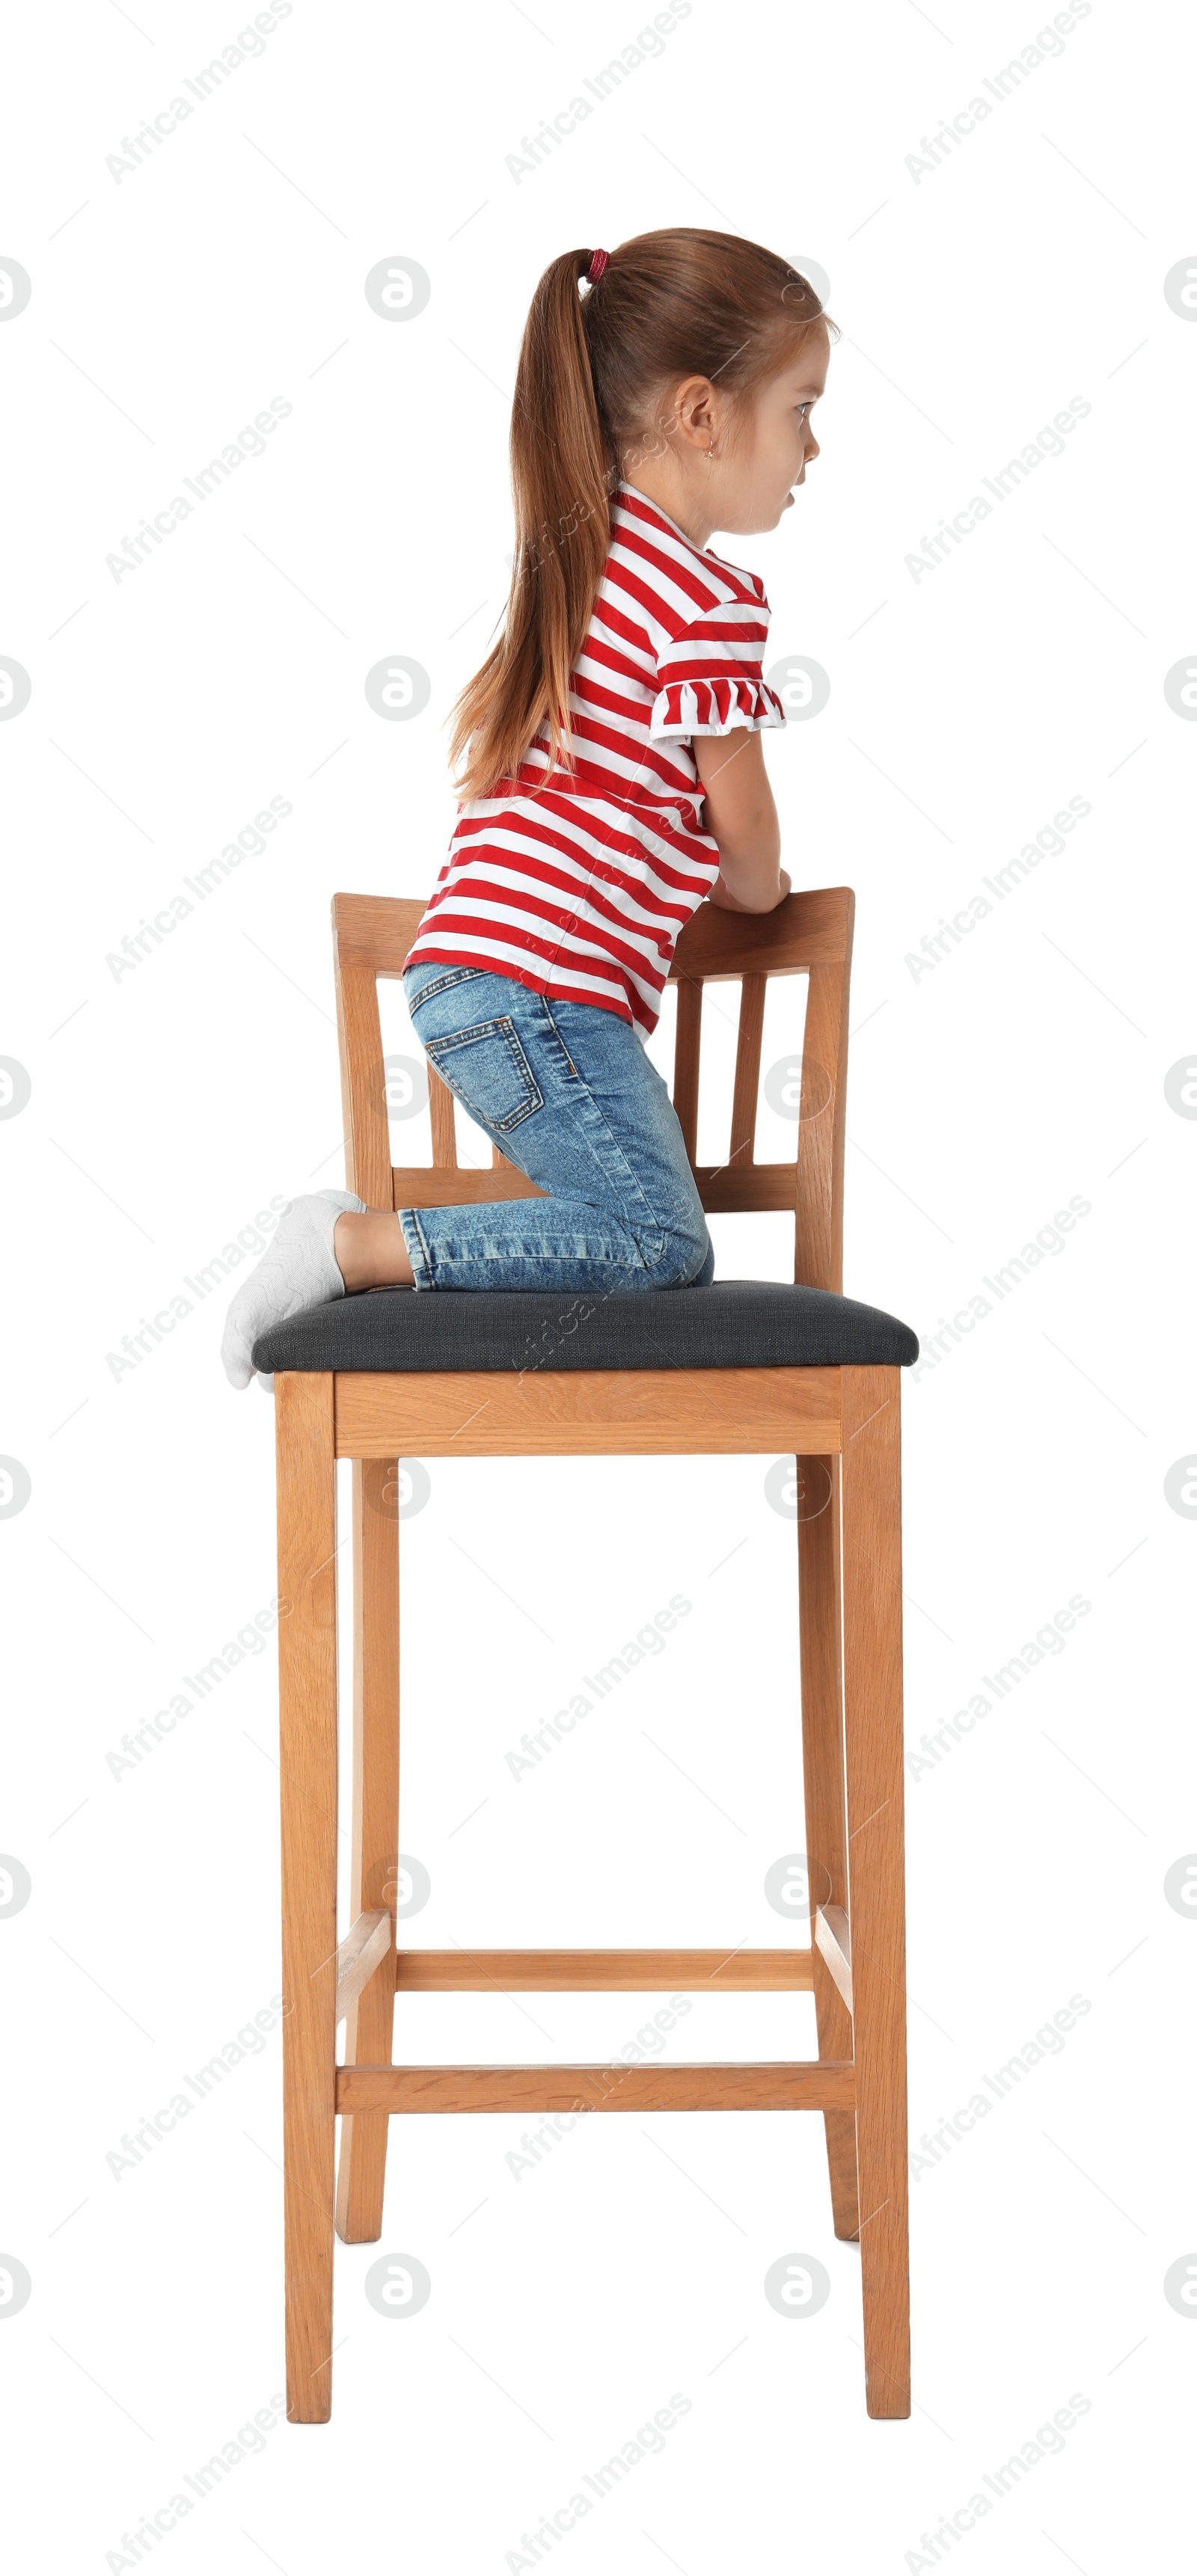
pixel 308 1766
pixel 361 2171
pixel 823 1782
pixel 872 1574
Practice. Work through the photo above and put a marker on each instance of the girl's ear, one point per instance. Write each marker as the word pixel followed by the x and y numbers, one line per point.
pixel 695 407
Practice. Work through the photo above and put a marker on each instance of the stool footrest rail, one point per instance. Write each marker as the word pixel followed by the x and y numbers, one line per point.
pixel 547 1972
pixel 811 2085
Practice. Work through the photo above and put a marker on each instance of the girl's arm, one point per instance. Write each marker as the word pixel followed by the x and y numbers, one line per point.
pixel 742 816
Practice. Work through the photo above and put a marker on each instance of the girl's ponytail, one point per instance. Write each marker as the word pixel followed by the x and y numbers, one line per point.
pixel 560 476
pixel 596 366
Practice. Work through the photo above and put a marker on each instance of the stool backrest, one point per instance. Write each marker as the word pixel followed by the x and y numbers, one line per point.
pixel 809 934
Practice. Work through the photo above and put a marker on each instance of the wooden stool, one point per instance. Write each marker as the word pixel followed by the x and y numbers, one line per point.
pixel 839 1418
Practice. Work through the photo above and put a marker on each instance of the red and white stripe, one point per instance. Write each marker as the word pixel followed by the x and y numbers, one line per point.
pixel 582 889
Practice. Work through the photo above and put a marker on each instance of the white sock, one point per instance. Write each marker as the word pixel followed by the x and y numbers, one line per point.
pixel 298 1269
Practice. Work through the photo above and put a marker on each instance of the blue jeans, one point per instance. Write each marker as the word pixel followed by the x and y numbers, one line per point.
pixel 567 1093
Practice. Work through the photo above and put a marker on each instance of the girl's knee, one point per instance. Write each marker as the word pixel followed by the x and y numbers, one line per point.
pixel 684 1259
pixel 706 1270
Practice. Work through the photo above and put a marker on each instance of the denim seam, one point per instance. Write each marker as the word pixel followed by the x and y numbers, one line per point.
pixel 453 975
pixel 575 1076
pixel 418 1251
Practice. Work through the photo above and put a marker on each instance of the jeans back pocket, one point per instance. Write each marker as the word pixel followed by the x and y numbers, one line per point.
pixel 487 1069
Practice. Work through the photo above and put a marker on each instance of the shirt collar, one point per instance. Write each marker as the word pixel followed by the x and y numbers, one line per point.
pixel 662 515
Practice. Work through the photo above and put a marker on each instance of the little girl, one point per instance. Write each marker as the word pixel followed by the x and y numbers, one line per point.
pixel 613 778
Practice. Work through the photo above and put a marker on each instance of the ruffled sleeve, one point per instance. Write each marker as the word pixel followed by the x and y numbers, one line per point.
pixel 709 676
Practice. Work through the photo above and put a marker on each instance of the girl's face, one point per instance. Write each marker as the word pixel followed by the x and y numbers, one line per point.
pixel 768 450
pixel 712 463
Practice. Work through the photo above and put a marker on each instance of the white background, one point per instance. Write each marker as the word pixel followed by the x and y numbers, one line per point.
pixel 170 1102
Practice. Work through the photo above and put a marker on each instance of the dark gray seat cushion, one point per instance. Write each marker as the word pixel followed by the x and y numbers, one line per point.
pixel 735 1323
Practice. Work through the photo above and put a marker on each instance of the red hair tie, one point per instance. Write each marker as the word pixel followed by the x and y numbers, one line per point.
pixel 598 262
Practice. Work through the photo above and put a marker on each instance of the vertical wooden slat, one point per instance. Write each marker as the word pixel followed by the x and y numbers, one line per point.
pixel 823 1783
pixel 361 2169
pixel 444 1133
pixel 307 1636
pixel 872 1579
pixel 819 1205
pixel 363 1085
pixel 687 1041
pixel 748 1068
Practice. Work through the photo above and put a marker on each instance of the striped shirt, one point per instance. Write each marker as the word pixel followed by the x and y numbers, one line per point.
pixel 582 890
